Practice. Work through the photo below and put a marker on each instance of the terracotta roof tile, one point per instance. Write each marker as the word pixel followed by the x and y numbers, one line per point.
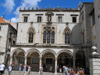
pixel 1 20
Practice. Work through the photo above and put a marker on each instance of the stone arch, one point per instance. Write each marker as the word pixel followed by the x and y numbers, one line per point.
pixel 16 50
pixel 48 51
pixel 66 51
pixel 67 30
pixel 65 57
pixel 33 56
pixel 79 51
pixel 32 50
pixel 48 60
pixel 31 29
pixel 80 59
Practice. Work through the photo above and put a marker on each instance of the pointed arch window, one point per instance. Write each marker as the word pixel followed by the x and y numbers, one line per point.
pixel 67 35
pixel 30 35
pixel 49 35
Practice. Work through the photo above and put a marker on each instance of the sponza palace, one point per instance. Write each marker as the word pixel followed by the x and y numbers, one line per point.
pixel 54 37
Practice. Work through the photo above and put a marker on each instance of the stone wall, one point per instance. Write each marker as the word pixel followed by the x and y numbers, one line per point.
pixel 22 37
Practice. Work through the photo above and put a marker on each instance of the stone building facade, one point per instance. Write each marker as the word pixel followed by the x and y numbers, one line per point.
pixel 7 37
pixel 53 37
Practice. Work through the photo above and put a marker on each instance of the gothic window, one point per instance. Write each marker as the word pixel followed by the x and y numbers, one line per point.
pixel 49 35
pixel 44 37
pixel 53 37
pixel 31 35
pixel 67 35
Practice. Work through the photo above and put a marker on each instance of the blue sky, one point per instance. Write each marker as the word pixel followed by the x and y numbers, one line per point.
pixel 10 7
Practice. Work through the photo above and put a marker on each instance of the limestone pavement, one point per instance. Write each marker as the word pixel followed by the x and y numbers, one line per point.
pixel 31 73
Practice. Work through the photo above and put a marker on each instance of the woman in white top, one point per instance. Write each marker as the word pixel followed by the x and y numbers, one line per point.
pixel 29 69
pixel 9 69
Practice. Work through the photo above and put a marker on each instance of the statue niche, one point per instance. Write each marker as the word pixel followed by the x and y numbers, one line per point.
pixel 49 15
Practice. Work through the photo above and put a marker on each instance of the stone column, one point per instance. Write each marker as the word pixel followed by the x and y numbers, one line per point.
pixel 25 60
pixel 55 65
pixel 74 62
pixel 40 61
pixel 10 59
pixel 25 63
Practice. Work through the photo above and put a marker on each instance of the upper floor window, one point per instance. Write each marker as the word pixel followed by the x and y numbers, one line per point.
pixel 31 35
pixel 67 35
pixel 59 18
pixel 74 20
pixel 25 19
pixel 49 35
pixel 39 19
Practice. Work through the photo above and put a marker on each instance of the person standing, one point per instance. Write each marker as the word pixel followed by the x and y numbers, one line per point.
pixel 41 69
pixel 20 69
pixel 24 69
pixel 72 72
pixel 66 70
pixel 81 72
pixel 29 69
pixel 2 66
pixel 9 69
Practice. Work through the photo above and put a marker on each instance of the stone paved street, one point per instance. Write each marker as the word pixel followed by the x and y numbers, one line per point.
pixel 32 73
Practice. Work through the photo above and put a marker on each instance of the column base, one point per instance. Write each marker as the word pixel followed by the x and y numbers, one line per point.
pixel 55 73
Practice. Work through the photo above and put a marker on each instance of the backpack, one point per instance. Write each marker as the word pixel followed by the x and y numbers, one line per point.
pixel 71 74
pixel 8 69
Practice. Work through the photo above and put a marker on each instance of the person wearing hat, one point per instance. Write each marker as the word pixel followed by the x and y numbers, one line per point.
pixel 41 69
pixel 81 72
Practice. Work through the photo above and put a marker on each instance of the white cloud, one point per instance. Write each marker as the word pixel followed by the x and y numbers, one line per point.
pixel 26 4
pixel 15 19
pixel 9 5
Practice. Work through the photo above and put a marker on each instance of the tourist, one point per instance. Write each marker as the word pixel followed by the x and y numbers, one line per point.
pixel 29 70
pixel 20 69
pixel 81 72
pixel 66 71
pixel 72 72
pixel 2 66
pixel 24 69
pixel 60 69
pixel 41 69
pixel 69 69
pixel 77 73
pixel 9 69
pixel 77 69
